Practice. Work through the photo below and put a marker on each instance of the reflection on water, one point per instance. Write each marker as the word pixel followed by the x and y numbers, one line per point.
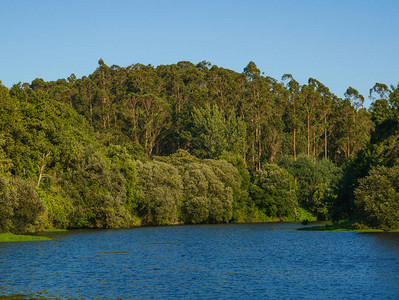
pixel 203 261
pixel 386 241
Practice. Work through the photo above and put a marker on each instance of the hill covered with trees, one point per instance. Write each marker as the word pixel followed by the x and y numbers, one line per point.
pixel 188 143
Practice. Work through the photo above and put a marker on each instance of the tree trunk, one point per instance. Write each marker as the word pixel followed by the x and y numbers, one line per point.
pixel 325 139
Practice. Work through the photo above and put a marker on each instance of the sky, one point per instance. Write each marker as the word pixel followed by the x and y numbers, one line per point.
pixel 341 43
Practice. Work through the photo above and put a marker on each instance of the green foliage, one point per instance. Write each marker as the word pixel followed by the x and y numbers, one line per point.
pixel 377 198
pixel 179 159
pixel 7 204
pixel 317 182
pixel 124 158
pixel 206 198
pixel 98 191
pixel 161 186
pixel 274 191
pixel 210 187
pixel 59 207
pixel 213 134
pixel 244 208
pixel 382 150
pixel 20 206
pixel 226 173
pixel 77 140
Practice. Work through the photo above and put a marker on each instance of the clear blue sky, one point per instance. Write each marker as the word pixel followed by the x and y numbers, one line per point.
pixel 340 43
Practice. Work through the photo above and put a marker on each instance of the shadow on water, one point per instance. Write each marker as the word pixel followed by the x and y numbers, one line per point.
pixel 389 241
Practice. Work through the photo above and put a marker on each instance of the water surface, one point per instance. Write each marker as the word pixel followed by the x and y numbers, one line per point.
pixel 204 261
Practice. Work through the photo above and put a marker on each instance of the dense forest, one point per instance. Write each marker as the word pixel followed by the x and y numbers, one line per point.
pixel 188 143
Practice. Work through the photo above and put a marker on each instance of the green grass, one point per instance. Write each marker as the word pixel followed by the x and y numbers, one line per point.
pixel 10 237
pixel 55 230
pixel 344 226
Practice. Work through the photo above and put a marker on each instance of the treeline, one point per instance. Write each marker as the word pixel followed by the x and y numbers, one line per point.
pixel 188 143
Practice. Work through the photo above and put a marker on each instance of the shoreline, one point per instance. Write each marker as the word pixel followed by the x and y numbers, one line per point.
pixel 340 227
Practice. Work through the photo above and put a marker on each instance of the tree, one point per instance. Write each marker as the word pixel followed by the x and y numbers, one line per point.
pixel 274 191
pixel 257 112
pixel 377 198
pixel 316 181
pixel 294 89
pixel 161 187
pixel 20 206
pixel 210 188
pixel 357 100
pixel 206 198
pixel 382 150
pixel 98 191
pixel 213 134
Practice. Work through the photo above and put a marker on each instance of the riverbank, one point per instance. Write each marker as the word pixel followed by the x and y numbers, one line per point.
pixel 345 226
pixel 10 237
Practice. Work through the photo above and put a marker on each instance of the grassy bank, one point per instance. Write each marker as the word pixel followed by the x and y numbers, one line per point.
pixel 55 230
pixel 345 226
pixel 10 237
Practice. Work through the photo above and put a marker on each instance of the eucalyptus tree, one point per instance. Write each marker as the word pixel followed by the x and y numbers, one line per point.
pixel 257 89
pixel 103 97
pixel 294 105
pixel 213 133
pixel 312 101
pixel 360 125
pixel 272 120
pixel 382 107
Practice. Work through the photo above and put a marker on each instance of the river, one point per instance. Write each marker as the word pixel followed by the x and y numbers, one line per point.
pixel 245 261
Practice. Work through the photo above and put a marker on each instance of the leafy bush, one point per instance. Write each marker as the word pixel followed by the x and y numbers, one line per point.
pixel 206 198
pixel 274 191
pixel 210 187
pixel 377 198
pixel 162 188
pixel 59 207
pixel 98 191
pixel 317 182
pixel 20 206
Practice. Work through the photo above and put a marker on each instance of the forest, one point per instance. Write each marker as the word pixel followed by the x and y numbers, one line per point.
pixel 194 143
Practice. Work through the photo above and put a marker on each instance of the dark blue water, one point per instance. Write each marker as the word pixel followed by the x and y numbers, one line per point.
pixel 208 261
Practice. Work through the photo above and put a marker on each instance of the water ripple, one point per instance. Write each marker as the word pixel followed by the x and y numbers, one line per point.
pixel 208 261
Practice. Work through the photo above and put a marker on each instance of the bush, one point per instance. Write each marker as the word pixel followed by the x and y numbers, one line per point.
pixel 162 188
pixel 206 198
pixel 317 182
pixel 210 187
pixel 20 206
pixel 274 191
pixel 59 207
pixel 98 189
pixel 377 198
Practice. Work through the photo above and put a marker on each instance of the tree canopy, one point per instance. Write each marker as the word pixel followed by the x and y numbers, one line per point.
pixel 190 143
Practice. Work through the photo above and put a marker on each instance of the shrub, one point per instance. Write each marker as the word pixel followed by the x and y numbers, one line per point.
pixel 274 191
pixel 206 198
pixel 162 188
pixel 377 198
pixel 20 206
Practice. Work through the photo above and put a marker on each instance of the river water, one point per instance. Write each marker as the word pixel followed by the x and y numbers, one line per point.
pixel 248 261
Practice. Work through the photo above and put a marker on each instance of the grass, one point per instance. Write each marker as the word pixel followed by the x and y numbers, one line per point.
pixel 343 226
pixel 55 230
pixel 10 237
